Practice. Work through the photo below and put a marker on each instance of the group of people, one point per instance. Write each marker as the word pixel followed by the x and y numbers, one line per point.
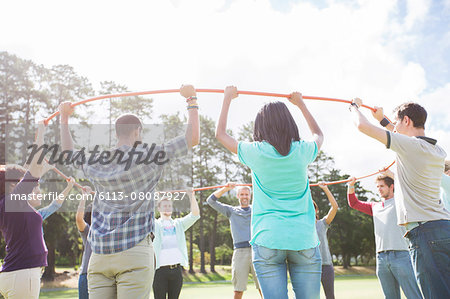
pixel 127 252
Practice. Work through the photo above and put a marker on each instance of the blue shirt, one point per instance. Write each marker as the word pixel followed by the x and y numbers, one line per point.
pixel 239 221
pixel 283 213
pixel 49 210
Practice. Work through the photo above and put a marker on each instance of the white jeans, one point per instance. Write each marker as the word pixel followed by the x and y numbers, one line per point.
pixel 25 283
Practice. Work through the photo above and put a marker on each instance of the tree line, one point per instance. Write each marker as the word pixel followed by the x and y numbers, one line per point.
pixel 29 90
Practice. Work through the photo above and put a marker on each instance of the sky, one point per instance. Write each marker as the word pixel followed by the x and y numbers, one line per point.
pixel 386 52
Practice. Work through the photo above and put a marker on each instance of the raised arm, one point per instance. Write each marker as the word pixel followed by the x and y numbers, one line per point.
pixel 57 202
pixel 334 206
pixel 353 202
pixel 221 131
pixel 195 210
pixel 193 129
pixel 296 98
pixel 60 199
pixel 217 205
pixel 79 217
pixel 37 169
pixel 65 110
pixel 365 126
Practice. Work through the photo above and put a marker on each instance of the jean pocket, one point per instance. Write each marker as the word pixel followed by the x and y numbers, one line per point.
pixel 265 253
pixel 441 248
pixel 309 253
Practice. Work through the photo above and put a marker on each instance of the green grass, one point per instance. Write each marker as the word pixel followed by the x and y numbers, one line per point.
pixel 366 287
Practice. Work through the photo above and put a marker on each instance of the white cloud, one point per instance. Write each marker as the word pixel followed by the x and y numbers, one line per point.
pixel 416 12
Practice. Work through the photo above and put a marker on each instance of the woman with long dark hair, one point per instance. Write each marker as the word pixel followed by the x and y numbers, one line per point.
pixel 284 235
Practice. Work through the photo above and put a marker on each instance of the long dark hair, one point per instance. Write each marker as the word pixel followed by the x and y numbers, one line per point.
pixel 275 124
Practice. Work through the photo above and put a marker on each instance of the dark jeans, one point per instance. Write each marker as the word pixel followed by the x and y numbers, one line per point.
pixel 328 281
pixel 83 287
pixel 167 282
pixel 430 255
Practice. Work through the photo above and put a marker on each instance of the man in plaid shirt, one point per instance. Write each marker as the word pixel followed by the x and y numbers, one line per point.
pixel 122 262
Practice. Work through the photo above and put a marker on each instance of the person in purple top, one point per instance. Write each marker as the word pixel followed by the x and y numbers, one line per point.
pixel 21 226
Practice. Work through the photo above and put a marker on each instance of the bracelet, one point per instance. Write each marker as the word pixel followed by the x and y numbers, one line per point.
pixel 354 105
pixel 384 122
pixel 192 107
pixel 192 103
pixel 191 98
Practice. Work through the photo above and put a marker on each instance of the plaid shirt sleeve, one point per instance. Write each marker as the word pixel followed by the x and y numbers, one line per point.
pixel 176 147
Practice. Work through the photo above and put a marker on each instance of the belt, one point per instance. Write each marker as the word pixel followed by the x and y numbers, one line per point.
pixel 412 225
pixel 171 266
pixel 386 251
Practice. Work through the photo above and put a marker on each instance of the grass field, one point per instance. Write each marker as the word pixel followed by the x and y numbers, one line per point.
pixel 366 287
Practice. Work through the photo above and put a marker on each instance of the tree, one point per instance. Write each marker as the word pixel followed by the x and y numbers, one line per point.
pixel 351 232
pixel 138 105
pixel 205 174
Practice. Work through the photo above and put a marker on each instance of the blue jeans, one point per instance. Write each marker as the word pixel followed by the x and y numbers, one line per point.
pixel 271 265
pixel 394 270
pixel 83 287
pixel 429 246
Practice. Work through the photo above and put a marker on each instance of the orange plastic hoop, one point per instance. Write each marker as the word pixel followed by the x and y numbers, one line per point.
pixel 162 91
pixel 204 90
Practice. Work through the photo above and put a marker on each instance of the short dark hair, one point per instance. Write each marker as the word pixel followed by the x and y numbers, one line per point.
pixel 447 165
pixel 10 175
pixel 414 111
pixel 386 179
pixel 275 125
pixel 126 124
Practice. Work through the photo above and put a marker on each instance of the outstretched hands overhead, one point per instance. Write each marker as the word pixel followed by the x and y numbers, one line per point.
pixel 296 98
pixel 322 185
pixel 230 185
pixel 66 109
pixel 230 93
pixel 188 91
pixel 352 181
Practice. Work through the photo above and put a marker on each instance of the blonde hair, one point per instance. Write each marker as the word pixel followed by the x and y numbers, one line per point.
pixel 164 198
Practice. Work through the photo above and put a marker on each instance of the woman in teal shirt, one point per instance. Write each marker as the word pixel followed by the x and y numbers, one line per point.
pixel 284 235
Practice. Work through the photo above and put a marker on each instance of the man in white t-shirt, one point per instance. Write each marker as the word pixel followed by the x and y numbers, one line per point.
pixel 419 163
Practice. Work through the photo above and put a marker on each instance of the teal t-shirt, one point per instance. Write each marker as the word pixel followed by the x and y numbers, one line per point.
pixel 283 213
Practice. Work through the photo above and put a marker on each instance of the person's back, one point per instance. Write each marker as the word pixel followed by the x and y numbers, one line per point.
pixel 282 194
pixel 420 164
pixel 111 218
pixel 283 223
pixel 123 209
